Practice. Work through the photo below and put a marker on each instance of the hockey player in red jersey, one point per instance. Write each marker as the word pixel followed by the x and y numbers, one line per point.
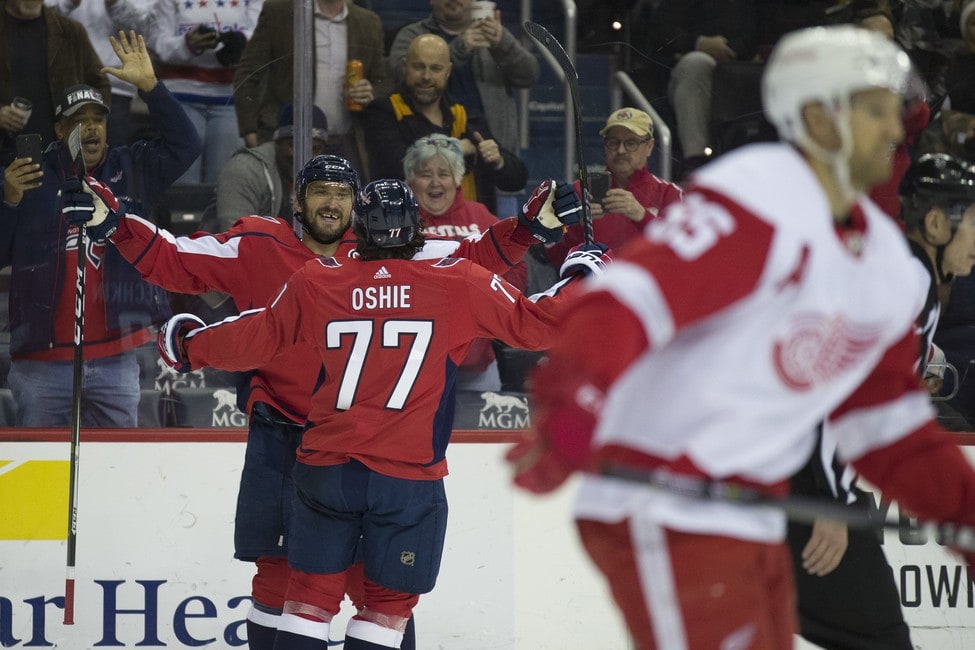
pixel 389 330
pixel 251 262
pixel 775 293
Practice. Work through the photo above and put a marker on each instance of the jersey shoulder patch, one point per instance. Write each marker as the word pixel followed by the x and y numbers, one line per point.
pixel 448 262
pixel 329 262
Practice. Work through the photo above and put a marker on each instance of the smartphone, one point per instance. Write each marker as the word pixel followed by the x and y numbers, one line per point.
pixel 29 146
pixel 598 185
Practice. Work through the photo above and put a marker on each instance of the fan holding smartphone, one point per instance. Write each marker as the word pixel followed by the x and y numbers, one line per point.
pixel 626 196
pixel 29 146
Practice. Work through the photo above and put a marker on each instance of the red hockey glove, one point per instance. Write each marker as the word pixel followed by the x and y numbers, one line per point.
pixel 550 208
pixel 587 259
pixel 565 416
pixel 170 340
pixel 107 209
pixel 536 468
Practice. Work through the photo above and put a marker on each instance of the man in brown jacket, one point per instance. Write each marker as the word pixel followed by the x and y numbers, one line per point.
pixel 264 80
pixel 53 53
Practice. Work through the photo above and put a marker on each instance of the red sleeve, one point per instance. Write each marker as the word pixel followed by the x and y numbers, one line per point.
pixel 886 427
pixel 255 337
pixel 498 310
pixel 190 264
pixel 926 473
pixel 500 248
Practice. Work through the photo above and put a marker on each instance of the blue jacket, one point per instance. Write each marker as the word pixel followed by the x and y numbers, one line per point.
pixel 32 234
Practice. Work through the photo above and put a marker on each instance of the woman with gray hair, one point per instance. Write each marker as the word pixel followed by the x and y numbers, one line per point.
pixel 433 167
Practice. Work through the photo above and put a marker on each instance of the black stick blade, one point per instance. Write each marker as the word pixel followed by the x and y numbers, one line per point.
pixel 550 43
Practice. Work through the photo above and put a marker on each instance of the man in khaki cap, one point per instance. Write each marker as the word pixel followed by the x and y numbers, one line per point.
pixel 635 196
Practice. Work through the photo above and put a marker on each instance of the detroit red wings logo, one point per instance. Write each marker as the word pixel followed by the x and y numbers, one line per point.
pixel 817 349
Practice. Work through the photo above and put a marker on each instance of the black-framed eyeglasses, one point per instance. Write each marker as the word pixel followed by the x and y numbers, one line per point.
pixel 630 145
pixel 441 143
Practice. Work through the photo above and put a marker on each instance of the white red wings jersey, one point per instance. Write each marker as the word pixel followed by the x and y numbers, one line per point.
pixel 389 334
pixel 746 315
pixel 253 259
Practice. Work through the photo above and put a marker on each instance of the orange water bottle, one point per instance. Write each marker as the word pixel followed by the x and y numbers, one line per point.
pixel 353 73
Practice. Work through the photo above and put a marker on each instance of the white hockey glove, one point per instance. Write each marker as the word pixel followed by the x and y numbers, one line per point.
pixel 170 340
pixel 550 208
pixel 586 259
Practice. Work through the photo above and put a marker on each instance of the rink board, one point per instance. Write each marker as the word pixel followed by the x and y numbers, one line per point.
pixel 154 566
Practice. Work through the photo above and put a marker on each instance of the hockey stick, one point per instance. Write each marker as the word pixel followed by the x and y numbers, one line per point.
pixel 78 162
pixel 549 42
pixel 796 508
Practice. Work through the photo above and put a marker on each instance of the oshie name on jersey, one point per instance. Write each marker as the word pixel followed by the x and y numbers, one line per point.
pixel 395 296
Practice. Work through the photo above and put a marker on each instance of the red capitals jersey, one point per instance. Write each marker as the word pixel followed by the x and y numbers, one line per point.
pixel 389 334
pixel 251 262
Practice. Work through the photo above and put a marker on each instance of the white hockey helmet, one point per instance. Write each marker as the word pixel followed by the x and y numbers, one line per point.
pixel 827 65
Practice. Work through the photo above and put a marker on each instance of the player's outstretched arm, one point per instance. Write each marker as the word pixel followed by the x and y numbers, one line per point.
pixel 249 340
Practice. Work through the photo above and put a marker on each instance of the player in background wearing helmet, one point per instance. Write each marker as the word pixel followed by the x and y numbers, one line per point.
pixel 251 262
pixel 847 594
pixel 775 293
pixel 938 209
pixel 390 329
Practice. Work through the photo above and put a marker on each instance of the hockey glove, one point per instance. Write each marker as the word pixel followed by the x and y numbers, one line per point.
pixel 586 260
pixel 77 206
pixel 170 340
pixel 107 208
pixel 565 419
pixel 550 208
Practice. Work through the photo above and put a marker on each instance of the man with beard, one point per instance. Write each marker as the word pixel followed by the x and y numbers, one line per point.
pixel 41 246
pixel 423 107
pixel 251 262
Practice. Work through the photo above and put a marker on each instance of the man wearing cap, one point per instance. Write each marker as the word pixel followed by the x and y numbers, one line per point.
pixel 41 246
pixel 258 180
pixel 635 196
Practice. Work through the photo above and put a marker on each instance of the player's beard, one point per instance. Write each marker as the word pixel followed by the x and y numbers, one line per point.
pixel 329 232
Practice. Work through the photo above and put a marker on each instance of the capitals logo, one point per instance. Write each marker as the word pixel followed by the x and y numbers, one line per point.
pixel 817 349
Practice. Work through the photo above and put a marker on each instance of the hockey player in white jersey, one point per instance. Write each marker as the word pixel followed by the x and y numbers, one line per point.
pixel 775 293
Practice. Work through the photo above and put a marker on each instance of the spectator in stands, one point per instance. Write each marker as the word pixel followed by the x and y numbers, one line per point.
pixel 258 180
pixel 37 242
pixel 101 19
pixel 52 53
pixel 635 196
pixel 959 83
pixel 422 107
pixel 265 77
pixel 489 62
pixel 199 45
pixel 697 35
pixel 929 31
pixel 434 167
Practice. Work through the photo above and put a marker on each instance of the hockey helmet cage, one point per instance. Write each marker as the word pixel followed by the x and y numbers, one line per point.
pixel 385 213
pixel 827 65
pixel 326 168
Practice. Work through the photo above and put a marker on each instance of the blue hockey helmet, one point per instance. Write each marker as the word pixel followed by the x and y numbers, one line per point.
pixel 326 168
pixel 385 213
